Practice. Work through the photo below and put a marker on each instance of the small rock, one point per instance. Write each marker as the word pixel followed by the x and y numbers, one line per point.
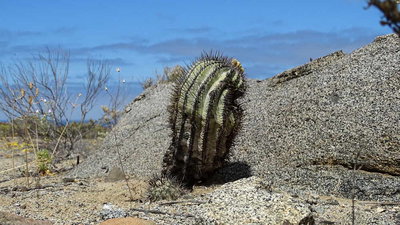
pixel 380 209
pixel 105 168
pixel 110 211
pixel 115 174
pixel 140 97
pixel 68 179
pixel 332 201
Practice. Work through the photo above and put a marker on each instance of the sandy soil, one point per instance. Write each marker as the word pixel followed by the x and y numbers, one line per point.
pixel 66 201
pixel 60 200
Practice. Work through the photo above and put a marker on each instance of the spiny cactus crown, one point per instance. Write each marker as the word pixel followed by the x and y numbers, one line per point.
pixel 204 116
pixel 164 188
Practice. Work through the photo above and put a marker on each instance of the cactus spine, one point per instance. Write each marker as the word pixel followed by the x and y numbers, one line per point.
pixel 204 117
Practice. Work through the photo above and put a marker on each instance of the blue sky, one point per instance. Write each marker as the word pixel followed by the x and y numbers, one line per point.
pixel 142 37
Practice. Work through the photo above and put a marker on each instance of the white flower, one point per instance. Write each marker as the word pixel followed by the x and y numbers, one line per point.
pixel 49 111
pixel 37 111
pixel 118 69
pixel 80 94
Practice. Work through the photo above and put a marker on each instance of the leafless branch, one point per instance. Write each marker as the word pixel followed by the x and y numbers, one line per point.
pixel 391 13
pixel 98 75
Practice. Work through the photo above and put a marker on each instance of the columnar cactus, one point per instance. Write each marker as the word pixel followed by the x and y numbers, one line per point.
pixel 204 117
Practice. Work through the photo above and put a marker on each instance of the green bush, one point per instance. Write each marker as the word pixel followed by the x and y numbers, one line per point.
pixel 147 83
pixel 174 73
pixel 5 129
pixel 88 130
pixel 44 160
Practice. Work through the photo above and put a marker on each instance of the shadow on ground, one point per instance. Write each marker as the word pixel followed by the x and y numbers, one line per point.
pixel 229 173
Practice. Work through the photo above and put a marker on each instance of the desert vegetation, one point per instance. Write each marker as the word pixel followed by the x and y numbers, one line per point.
pixel 42 126
pixel 170 74
pixel 40 108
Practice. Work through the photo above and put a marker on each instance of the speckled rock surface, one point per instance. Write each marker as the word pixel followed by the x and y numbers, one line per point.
pixel 141 137
pixel 303 130
pixel 308 132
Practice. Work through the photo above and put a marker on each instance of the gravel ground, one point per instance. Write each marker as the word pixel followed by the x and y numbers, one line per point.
pixel 246 201
pixel 77 202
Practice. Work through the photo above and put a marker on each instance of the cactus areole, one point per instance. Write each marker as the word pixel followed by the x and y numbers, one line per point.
pixel 204 117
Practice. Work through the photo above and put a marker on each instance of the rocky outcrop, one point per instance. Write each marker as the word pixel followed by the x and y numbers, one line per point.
pixel 305 69
pixel 330 127
pixel 308 133
pixel 141 137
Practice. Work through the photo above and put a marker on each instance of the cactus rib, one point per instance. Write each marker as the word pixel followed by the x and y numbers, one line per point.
pixel 204 116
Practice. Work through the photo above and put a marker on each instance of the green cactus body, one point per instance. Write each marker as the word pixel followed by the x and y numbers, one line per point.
pixel 204 117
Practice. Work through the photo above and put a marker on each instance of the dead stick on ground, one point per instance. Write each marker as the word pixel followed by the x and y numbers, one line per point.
pixel 13 150
pixel 161 212
pixel 179 202
pixel 380 203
